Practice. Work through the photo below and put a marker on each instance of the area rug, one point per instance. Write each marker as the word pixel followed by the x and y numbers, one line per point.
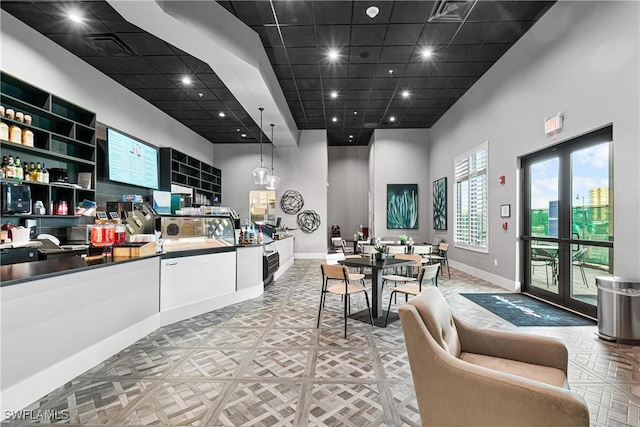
pixel 522 310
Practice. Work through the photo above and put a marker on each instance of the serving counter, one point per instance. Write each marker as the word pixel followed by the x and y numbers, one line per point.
pixel 61 317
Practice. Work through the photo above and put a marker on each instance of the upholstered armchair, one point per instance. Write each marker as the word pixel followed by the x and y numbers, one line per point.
pixel 467 376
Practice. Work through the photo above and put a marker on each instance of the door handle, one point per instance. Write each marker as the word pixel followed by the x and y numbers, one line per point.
pixel 171 263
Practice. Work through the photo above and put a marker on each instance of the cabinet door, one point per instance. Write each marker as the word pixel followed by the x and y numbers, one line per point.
pixel 189 280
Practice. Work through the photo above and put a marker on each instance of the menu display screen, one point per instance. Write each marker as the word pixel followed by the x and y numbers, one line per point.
pixel 131 161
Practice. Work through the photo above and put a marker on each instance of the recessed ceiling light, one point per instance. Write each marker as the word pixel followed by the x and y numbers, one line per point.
pixel 244 135
pixel 221 114
pixel 426 52
pixel 355 113
pixel 335 119
pixel 333 54
pixel 372 11
pixel 392 119
pixel 405 93
pixel 350 136
pixel 75 18
pixel 200 94
pixel 390 72
pixel 334 94
pixel 186 80
pixel 238 130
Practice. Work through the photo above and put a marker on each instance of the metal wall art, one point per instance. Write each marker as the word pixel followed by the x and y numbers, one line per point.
pixel 402 206
pixel 440 204
pixel 291 202
pixel 308 221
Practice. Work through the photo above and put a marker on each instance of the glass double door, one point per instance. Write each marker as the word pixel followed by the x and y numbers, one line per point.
pixel 568 220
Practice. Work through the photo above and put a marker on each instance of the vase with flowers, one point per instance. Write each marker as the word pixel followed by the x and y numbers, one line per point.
pixel 381 253
pixel 403 239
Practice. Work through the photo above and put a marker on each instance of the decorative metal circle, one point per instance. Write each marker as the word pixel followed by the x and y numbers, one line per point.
pixel 291 202
pixel 308 221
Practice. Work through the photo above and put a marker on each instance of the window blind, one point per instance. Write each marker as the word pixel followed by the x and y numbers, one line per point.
pixel 471 210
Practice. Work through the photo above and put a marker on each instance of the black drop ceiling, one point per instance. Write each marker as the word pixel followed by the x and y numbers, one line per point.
pixel 466 40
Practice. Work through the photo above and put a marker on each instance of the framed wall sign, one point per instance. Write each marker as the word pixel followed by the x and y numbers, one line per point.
pixel 505 211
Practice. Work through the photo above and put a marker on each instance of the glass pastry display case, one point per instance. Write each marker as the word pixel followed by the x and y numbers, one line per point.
pixel 197 232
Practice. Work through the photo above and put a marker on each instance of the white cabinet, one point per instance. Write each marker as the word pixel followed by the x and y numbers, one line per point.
pixel 195 279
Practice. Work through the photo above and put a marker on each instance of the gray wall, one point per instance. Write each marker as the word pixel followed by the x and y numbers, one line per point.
pixel 45 64
pixel 581 59
pixel 348 186
pixel 303 169
pixel 401 156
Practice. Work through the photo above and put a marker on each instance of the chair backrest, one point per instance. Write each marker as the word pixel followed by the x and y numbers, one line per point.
pixel 436 242
pixel 579 254
pixel 443 247
pixel 430 271
pixel 416 258
pixel 436 315
pixel 332 259
pixel 335 230
pixel 392 250
pixel 368 249
pixel 345 249
pixel 337 272
pixel 422 249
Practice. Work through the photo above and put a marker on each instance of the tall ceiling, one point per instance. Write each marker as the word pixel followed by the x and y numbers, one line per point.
pixel 379 79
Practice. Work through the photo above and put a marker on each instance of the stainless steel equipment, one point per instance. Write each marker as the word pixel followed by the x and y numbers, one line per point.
pixel 16 198
pixel 618 309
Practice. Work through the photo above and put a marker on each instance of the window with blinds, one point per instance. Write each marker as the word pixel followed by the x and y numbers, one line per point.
pixel 470 213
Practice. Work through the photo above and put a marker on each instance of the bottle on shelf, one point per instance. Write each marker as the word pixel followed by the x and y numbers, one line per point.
pixel 45 173
pixel 3 167
pixel 33 172
pixel 10 171
pixel 15 134
pixel 38 172
pixel 19 170
pixel 27 138
pixel 25 173
pixel 4 131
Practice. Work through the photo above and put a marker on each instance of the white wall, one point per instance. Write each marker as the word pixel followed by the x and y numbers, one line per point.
pixel 30 56
pixel 303 168
pixel 348 186
pixel 581 59
pixel 401 156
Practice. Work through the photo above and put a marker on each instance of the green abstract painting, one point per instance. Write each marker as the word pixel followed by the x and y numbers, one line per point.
pixel 402 206
pixel 440 204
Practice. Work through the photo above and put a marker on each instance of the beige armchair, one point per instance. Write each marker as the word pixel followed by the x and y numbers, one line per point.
pixel 469 376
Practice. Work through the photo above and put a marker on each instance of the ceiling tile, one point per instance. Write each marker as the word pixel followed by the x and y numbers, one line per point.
pixel 134 65
pixel 303 55
pixel 367 35
pixel 128 81
pixel 448 68
pixel 211 80
pixel 360 83
pixel 168 64
pixel 362 70
pixel 156 81
pixel 529 10
pixel 474 32
pixel 419 69
pixel 509 32
pixel 334 84
pixel 411 11
pixel 282 71
pixel 403 34
pixel 490 11
pixel 335 36
pixel 438 33
pixel 437 82
pixel 364 54
pixel 310 95
pixel 146 44
pixel 360 16
pixel 475 68
pixel 196 65
pixel 490 52
pixel 458 53
pixel 293 13
pixel 76 44
pixel 270 36
pixel 299 36
pixel 334 71
pixel 308 84
pixel 332 12
pixel 388 83
pixel 357 94
pixel 393 54
pixel 254 13
pixel 306 71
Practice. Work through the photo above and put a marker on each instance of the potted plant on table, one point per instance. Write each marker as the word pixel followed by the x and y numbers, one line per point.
pixel 403 239
pixel 381 253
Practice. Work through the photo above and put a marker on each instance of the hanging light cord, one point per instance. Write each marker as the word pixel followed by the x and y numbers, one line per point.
pixel 261 110
pixel 272 125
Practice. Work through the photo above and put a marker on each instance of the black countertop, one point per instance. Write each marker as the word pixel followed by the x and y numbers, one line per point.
pixel 28 271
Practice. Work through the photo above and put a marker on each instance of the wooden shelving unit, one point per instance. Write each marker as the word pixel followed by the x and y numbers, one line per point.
pixel 179 169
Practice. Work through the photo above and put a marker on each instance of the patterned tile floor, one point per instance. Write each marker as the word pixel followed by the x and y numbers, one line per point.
pixel 263 363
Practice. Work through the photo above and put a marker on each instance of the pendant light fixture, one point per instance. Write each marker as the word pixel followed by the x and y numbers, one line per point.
pixel 274 180
pixel 261 174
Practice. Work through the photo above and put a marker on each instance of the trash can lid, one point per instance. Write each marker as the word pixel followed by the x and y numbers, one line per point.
pixel 617 282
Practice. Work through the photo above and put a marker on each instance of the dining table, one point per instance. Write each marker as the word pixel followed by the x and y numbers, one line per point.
pixel 377 267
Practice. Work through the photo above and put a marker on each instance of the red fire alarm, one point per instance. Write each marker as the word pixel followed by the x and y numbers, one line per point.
pixel 502 179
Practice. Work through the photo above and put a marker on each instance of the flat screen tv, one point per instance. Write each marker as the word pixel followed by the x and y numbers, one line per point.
pixel 131 161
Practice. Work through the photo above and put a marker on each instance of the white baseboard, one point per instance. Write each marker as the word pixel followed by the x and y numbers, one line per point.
pixel 184 312
pixel 302 255
pixel 28 391
pixel 284 267
pixel 503 282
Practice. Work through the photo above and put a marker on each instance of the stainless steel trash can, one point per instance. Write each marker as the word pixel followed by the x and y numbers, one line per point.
pixel 619 309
